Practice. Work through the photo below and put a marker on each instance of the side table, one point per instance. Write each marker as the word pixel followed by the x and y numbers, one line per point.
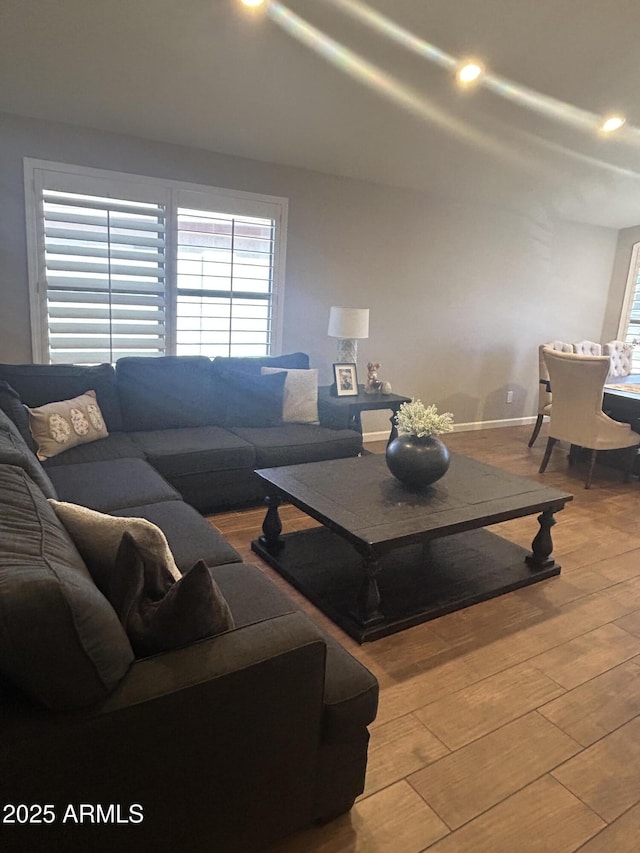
pixel 346 412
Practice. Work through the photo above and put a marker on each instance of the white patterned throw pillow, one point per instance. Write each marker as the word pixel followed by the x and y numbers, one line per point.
pixel 300 404
pixel 59 426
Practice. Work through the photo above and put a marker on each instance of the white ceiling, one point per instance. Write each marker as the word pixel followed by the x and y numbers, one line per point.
pixel 210 74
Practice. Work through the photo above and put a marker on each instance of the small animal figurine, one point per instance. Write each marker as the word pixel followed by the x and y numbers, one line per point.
pixel 375 385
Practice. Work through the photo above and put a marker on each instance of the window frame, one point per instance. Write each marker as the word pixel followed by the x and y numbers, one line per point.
pixel 631 288
pixel 39 174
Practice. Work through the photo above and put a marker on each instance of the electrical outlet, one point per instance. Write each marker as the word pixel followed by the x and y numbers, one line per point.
pixel 509 396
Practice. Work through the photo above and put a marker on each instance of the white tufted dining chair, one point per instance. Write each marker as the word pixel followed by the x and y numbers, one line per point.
pixel 620 354
pixel 587 348
pixel 544 392
pixel 577 416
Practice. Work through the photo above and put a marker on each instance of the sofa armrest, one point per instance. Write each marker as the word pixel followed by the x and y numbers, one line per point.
pixel 236 652
pixel 219 740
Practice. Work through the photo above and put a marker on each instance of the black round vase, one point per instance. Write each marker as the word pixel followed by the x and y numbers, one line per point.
pixel 417 461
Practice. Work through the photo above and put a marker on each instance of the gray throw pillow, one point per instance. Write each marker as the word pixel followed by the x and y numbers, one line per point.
pixel 13 407
pixel 159 613
pixel 253 401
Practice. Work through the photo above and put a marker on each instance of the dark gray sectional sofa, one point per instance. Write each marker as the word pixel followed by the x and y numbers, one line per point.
pixel 227 744
pixel 185 416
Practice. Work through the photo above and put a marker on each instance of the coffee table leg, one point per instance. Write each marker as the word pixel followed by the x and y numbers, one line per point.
pixel 542 546
pixel 369 597
pixel 272 526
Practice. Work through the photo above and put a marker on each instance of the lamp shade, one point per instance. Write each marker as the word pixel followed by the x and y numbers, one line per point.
pixel 348 322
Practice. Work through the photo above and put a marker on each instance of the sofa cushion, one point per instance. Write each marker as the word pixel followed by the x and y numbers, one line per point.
pixel 253 401
pixel 13 451
pixel 350 690
pixel 109 485
pixel 180 452
pixel 190 536
pixel 251 596
pixel 254 364
pixel 38 384
pixel 292 444
pixel 167 392
pixel 14 408
pixel 60 640
pixel 300 396
pixel 158 612
pixel 117 445
pixel 59 426
pixel 214 491
pixel 97 536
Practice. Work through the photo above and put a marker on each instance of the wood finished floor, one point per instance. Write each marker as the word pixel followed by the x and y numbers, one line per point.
pixel 512 726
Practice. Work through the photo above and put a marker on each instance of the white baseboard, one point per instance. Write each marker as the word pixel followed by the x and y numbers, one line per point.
pixel 383 435
pixel 505 422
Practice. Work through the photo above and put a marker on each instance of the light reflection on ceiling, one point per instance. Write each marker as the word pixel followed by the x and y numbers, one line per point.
pixel 421 106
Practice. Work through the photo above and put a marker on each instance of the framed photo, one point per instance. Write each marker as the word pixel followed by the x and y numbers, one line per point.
pixel 346 379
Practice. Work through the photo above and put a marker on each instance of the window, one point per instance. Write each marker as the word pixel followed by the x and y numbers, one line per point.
pixel 225 282
pixel 630 323
pixel 125 265
pixel 104 277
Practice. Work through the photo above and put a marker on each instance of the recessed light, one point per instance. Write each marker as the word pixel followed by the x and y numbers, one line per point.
pixel 469 72
pixel 612 123
pixel 252 2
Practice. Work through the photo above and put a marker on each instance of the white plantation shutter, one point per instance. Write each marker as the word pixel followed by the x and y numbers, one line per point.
pixel 125 265
pixel 224 284
pixel 104 264
pixel 630 326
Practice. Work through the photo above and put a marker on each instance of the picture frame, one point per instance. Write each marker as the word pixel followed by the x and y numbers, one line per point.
pixel 346 379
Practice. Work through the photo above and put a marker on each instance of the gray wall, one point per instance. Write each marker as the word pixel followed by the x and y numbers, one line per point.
pixel 460 295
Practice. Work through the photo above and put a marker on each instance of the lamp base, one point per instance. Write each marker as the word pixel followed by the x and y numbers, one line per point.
pixel 347 351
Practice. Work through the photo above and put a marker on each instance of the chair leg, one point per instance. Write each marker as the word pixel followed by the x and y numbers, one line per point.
pixel 536 430
pixel 592 465
pixel 547 455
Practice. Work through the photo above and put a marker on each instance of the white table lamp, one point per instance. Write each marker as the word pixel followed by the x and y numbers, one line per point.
pixel 348 325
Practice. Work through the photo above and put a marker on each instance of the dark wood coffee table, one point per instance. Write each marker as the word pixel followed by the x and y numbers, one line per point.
pixel 386 557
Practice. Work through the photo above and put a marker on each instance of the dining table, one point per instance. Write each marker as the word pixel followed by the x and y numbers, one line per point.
pixel 621 399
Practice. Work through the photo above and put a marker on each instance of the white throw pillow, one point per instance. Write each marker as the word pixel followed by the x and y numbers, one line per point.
pixel 59 426
pixel 97 537
pixel 300 404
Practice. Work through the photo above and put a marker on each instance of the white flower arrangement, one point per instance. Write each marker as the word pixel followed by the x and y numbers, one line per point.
pixel 417 419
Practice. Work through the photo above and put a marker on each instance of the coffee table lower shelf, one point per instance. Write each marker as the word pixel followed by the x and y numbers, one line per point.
pixel 417 583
